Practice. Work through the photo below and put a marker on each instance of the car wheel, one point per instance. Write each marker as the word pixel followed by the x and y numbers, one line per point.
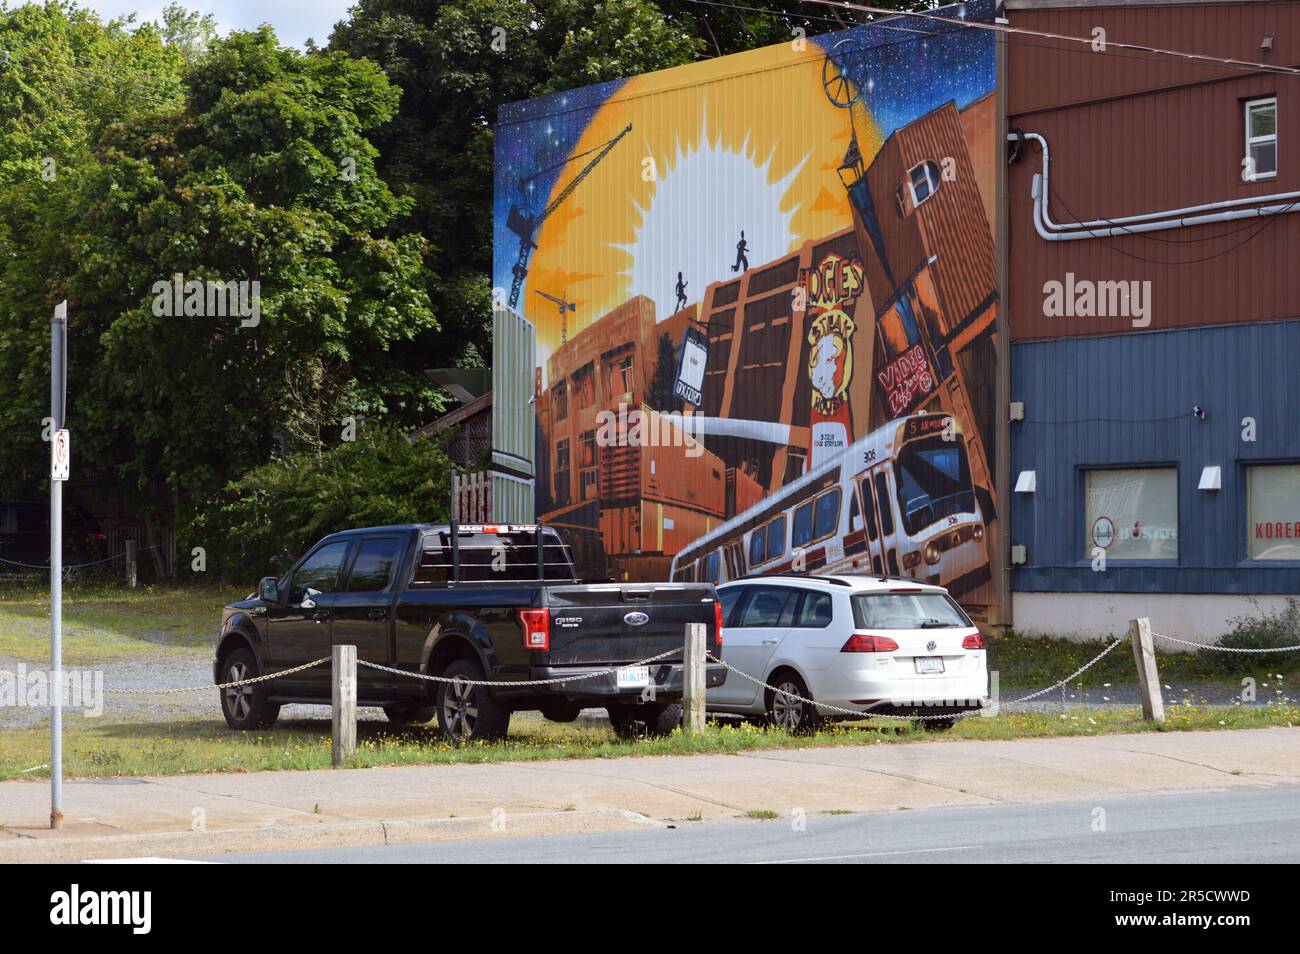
pixel 469 713
pixel 408 714
pixel 788 713
pixel 632 721
pixel 246 707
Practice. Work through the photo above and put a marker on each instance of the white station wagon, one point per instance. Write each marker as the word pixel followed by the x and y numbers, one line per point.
pixel 864 644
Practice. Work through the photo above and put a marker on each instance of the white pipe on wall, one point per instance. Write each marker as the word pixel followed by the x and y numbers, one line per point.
pixel 1147 221
pixel 1139 227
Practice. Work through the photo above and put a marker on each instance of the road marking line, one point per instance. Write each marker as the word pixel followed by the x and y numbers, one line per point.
pixel 869 854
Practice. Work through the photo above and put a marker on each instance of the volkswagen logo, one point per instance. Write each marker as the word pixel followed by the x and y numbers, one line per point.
pixel 636 618
pixel 932 645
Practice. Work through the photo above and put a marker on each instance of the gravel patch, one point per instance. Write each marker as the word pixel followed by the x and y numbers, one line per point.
pixel 171 670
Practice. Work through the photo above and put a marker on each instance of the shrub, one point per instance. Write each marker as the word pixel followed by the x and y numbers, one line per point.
pixel 1270 629
pixel 274 512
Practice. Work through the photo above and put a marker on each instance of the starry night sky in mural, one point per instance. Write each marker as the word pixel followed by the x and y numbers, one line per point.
pixel 904 67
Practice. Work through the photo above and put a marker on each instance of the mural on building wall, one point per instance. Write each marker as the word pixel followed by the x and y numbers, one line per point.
pixel 764 289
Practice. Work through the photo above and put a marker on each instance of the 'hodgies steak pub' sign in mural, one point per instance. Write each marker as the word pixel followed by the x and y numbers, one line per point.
pixel 783 261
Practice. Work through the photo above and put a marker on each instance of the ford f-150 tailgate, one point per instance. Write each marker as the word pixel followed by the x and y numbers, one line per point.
pixel 612 623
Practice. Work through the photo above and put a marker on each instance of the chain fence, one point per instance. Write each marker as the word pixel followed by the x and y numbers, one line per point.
pixel 220 685
pixel 1228 649
pixel 558 680
pixel 786 695
pixel 77 566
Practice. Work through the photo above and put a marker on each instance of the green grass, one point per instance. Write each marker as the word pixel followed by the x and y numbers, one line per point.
pixel 94 749
pixel 1032 662
pixel 102 623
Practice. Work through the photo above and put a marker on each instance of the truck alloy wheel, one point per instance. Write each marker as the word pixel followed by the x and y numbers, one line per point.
pixel 466 712
pixel 459 710
pixel 246 707
pixel 239 699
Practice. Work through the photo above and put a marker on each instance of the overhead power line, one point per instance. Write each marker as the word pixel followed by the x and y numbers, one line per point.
pixel 1089 41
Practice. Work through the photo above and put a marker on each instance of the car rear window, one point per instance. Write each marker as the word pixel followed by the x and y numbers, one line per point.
pixel 907 611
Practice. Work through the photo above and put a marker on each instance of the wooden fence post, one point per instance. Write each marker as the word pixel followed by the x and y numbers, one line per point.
pixel 344 700
pixel 131 562
pixel 1144 654
pixel 693 712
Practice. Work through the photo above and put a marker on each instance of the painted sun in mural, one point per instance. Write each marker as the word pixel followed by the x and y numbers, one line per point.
pixel 741 149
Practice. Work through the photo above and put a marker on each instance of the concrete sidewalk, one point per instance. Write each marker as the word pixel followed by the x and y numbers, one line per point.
pixel 280 810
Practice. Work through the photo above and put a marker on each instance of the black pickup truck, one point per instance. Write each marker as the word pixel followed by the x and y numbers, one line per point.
pixel 481 602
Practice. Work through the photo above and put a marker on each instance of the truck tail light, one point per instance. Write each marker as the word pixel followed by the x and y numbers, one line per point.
pixel 536 625
pixel 973 641
pixel 717 621
pixel 866 643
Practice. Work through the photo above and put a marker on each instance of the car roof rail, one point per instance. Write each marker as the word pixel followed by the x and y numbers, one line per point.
pixel 798 576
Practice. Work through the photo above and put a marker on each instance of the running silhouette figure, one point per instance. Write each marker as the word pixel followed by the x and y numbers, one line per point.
pixel 741 248
pixel 681 293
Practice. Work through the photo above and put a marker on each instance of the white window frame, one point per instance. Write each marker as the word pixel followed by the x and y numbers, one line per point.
pixel 1252 141
pixel 931 181
pixel 1250 470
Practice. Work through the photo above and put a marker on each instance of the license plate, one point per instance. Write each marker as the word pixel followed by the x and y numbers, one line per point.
pixel 634 677
pixel 929 664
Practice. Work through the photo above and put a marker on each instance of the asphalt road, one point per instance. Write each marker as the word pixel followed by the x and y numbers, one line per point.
pixel 1231 827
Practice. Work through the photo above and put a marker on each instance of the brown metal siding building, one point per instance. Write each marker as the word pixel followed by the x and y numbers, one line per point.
pixel 1154 444
pixel 1132 133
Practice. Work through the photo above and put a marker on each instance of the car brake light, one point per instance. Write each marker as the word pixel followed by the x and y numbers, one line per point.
pixel 867 643
pixel 973 641
pixel 537 628
pixel 717 620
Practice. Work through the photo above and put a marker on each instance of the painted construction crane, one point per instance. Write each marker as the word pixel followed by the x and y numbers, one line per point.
pixel 525 225
pixel 565 308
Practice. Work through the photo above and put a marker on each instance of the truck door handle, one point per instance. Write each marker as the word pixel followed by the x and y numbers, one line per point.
pixel 770 642
pixel 320 617
pixel 376 614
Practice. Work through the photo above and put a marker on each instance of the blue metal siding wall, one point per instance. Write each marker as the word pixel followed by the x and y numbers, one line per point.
pixel 1127 400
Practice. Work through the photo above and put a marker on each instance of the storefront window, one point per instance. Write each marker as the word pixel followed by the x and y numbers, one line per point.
pixel 1131 514
pixel 1273 517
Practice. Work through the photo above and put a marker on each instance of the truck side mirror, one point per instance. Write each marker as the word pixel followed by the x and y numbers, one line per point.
pixel 269 589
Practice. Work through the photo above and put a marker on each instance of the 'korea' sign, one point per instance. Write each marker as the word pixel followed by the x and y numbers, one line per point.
pixel 60 456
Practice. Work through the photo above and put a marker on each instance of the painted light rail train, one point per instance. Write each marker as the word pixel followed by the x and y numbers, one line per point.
pixel 900 501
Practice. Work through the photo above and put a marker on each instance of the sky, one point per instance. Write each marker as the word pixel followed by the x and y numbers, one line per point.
pixel 294 20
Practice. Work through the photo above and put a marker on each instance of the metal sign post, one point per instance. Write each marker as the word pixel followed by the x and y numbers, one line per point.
pixel 58 474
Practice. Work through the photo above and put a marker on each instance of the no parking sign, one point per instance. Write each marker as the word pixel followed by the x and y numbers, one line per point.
pixel 60 455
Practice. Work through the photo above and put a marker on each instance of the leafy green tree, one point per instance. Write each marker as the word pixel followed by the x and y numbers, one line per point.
pixel 188 31
pixel 728 28
pixel 64 75
pixel 264 176
pixel 287 504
